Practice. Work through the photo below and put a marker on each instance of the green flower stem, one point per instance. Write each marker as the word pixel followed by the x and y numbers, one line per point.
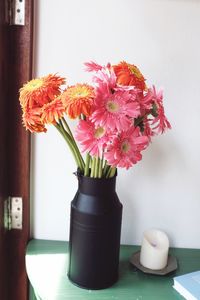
pixel 67 138
pixel 83 117
pixel 100 173
pixel 111 172
pixel 107 175
pixel 96 172
pixel 138 120
pixel 75 145
pixel 66 126
pixel 105 168
pixel 87 165
pixel 68 131
pixel 93 167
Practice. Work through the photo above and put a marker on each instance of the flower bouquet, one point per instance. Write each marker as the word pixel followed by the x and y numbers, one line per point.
pixel 117 114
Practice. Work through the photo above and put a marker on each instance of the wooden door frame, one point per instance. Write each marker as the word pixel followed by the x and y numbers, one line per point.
pixel 3 153
pixel 19 53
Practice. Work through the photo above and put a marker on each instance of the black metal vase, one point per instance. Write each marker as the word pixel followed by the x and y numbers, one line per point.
pixel 95 229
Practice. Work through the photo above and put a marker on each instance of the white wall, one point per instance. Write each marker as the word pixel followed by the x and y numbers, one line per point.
pixel 162 38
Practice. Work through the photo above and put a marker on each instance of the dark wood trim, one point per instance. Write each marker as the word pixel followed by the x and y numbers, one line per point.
pixel 3 150
pixel 19 70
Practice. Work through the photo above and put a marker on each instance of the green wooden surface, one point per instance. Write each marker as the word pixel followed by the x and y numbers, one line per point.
pixel 32 294
pixel 47 261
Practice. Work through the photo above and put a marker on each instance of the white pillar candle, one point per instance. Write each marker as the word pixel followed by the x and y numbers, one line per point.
pixel 154 249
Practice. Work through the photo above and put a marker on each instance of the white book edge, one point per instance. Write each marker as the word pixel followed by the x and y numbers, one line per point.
pixel 187 295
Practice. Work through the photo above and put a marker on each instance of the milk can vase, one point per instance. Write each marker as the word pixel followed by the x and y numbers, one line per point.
pixel 95 228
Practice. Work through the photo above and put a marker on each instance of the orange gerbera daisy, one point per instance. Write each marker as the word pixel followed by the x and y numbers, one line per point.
pixel 53 111
pixel 78 99
pixel 128 74
pixel 40 91
pixel 31 119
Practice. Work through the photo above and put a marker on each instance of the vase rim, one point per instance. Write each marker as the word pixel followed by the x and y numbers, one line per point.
pixel 78 174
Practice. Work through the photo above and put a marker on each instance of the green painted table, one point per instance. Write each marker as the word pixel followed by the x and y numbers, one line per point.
pixel 46 263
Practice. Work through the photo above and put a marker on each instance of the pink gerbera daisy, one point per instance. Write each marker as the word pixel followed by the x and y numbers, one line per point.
pixel 92 139
pixel 125 150
pixel 145 101
pixel 159 123
pixel 114 110
pixel 92 66
pixel 147 128
pixel 105 75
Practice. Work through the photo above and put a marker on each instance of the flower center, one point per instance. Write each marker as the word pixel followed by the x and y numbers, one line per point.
pixel 99 133
pixel 35 84
pixel 112 106
pixel 134 70
pixel 78 92
pixel 125 147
